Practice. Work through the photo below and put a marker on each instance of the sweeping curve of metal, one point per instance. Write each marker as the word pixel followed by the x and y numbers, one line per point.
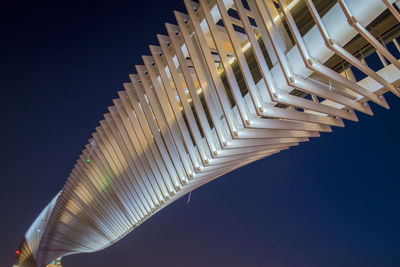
pixel 233 82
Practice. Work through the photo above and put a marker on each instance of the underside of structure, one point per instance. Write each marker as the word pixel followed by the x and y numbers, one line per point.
pixel 232 82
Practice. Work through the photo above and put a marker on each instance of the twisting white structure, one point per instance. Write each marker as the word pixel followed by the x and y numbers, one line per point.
pixel 233 82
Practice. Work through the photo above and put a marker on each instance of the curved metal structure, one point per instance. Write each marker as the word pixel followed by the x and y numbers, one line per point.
pixel 233 82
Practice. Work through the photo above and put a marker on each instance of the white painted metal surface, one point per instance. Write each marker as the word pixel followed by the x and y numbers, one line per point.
pixel 195 110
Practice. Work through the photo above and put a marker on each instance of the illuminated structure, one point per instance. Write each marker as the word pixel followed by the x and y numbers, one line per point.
pixel 231 83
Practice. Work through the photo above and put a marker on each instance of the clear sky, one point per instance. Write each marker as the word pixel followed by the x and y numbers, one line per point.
pixel 334 201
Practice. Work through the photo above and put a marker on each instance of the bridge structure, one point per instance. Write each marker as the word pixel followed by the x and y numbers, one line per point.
pixel 231 82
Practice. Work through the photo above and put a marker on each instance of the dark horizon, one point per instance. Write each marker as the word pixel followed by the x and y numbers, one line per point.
pixel 333 201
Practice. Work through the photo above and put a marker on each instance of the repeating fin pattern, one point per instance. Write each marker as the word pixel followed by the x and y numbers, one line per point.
pixel 232 82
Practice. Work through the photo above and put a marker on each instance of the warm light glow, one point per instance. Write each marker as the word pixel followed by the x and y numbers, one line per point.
pixel 246 46
pixel 290 6
pixel 244 49
pixel 248 112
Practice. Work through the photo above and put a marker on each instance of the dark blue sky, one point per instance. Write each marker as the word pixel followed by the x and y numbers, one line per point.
pixel 334 201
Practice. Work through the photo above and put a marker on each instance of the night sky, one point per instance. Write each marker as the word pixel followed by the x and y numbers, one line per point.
pixel 334 201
